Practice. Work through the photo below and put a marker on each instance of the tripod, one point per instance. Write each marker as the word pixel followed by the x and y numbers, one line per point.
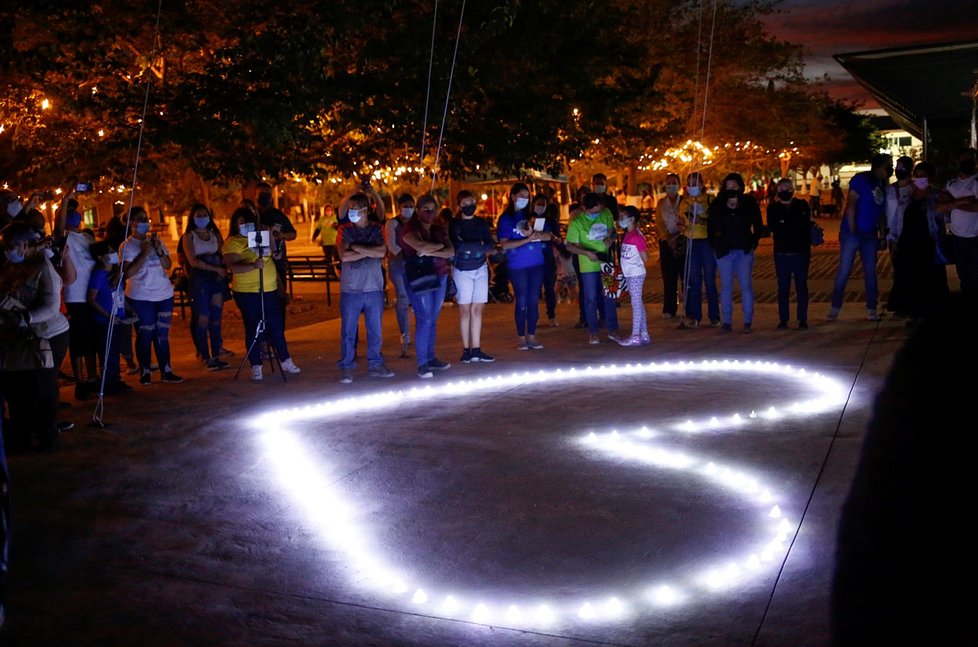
pixel 260 328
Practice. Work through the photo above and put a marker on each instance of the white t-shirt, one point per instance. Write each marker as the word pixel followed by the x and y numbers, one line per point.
pixel 964 223
pixel 897 199
pixel 81 256
pixel 151 282
pixel 632 246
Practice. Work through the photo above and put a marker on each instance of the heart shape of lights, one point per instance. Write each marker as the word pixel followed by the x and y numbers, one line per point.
pixel 325 509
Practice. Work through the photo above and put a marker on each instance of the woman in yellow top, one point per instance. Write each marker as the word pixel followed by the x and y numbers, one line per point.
pixel 249 273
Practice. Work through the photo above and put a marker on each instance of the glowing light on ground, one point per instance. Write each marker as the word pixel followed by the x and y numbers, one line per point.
pixel 309 483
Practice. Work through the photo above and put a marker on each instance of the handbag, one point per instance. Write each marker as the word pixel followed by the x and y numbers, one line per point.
pixel 816 233
pixel 420 273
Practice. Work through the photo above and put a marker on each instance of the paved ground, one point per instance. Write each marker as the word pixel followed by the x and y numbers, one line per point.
pixel 451 511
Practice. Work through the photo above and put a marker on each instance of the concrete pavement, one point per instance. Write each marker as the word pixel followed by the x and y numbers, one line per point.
pixel 455 511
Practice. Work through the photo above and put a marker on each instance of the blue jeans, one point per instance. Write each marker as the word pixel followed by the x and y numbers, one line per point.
pixel 401 302
pixel 207 292
pixel 371 304
pixel 550 285
pixel 592 293
pixel 153 332
pixel 702 270
pixel 867 248
pixel 526 282
pixel 787 266
pixel 108 357
pixel 427 307
pixel 250 303
pixel 740 264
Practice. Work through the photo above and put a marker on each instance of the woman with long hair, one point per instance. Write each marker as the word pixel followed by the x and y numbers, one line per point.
pixel 201 244
pixel 427 250
pixel 254 283
pixel 523 245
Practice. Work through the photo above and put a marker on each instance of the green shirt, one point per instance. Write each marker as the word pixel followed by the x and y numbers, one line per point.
pixel 589 234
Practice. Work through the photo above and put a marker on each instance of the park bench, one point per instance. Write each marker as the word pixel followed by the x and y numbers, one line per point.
pixel 313 268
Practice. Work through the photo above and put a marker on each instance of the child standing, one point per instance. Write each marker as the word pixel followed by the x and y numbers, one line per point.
pixel 634 255
pixel 102 294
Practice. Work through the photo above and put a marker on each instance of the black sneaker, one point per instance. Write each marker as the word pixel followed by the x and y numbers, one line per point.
pixel 216 364
pixel 146 378
pixel 802 325
pixel 438 365
pixel 466 356
pixel 727 328
pixel 424 372
pixel 479 356
pixel 171 378
pixel 782 325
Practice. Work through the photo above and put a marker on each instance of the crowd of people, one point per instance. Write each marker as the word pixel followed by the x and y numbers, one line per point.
pixel 107 304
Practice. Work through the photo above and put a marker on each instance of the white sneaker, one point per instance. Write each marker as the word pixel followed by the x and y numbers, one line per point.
pixel 256 375
pixel 289 366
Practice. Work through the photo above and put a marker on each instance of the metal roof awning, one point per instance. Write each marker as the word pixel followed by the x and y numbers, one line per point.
pixel 920 84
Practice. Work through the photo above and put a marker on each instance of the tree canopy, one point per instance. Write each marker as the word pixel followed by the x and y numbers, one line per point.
pixel 261 89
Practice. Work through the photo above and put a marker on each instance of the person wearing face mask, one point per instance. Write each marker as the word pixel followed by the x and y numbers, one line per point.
pixel 591 236
pixel 362 250
pixel 670 223
pixel 789 220
pixel 920 276
pixel 897 196
pixel 104 296
pixel 545 209
pixel 394 230
pixel 634 256
pixel 275 220
pixel 472 238
pixel 735 228
pixel 145 264
pixel 427 251
pixel 960 199
pixel 81 337
pixel 253 283
pixel 325 232
pixel 33 332
pixel 524 262
pixel 700 262
pixel 201 244
pixel 858 233
pixel 599 185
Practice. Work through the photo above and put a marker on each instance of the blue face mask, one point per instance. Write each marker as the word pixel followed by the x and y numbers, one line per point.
pixel 592 216
pixel 73 219
pixel 142 228
pixel 246 228
pixel 201 222
pixel 693 191
pixel 14 256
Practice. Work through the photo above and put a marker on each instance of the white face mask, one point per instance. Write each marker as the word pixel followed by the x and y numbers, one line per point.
pixel 407 212
pixel 14 207
pixel 353 215
pixel 246 228
pixel 48 253
pixel 625 223
pixel 921 183
pixel 521 203
pixel 600 188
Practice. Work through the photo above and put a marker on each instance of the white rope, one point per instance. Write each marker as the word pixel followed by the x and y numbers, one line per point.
pixel 100 404
pixel 709 61
pixel 431 63
pixel 448 94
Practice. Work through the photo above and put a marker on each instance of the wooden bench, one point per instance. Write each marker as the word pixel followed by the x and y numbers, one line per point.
pixel 313 268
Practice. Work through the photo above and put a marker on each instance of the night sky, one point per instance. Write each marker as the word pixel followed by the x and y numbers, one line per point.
pixel 827 27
